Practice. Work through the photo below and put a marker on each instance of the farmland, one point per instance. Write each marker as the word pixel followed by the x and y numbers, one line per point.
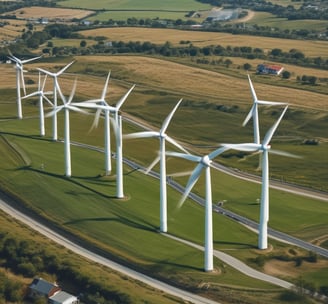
pixel 215 103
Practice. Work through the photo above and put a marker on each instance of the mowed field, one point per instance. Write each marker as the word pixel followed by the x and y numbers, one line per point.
pixel 200 39
pixel 181 5
pixel 35 12
pixel 153 73
pixel 190 81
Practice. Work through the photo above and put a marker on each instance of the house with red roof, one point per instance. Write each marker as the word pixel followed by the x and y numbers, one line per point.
pixel 270 69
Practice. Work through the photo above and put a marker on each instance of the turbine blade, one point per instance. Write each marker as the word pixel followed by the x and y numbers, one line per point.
pixel 145 134
pixel 271 131
pixel 44 80
pixel 248 147
pixel 47 99
pixel 53 112
pixel 104 92
pixel 31 94
pixel 46 72
pixel 76 109
pixel 23 81
pixel 249 115
pixel 178 174
pixel 174 143
pixel 217 152
pixel 190 157
pixel 271 103
pixel 252 89
pixel 64 68
pixel 72 92
pixel 191 182
pixel 121 101
pixel 31 59
pixel 283 153
pixel 169 117
pixel 153 164
pixel 61 94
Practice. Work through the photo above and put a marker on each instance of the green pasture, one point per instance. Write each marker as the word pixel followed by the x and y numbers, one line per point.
pixel 267 19
pixel 287 3
pixel 86 204
pixel 181 5
pixel 110 279
pixel 124 15
pixel 127 228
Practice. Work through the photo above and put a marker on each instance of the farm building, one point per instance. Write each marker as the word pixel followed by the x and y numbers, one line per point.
pixel 269 69
pixel 62 297
pixel 40 288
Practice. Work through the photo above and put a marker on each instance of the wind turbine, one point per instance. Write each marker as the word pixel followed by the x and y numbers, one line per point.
pixel 20 80
pixel 263 147
pixel 204 163
pixel 104 106
pixel 163 137
pixel 67 106
pixel 253 113
pixel 56 89
pixel 40 92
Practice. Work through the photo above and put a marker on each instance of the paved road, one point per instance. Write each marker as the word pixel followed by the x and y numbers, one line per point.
pixel 179 293
pixel 283 237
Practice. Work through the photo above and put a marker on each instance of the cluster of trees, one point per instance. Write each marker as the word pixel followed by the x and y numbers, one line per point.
pixel 7 6
pixel 306 11
pixel 10 291
pixel 293 56
pixel 29 259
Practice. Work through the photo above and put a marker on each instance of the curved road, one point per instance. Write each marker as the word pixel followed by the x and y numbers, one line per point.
pixel 222 256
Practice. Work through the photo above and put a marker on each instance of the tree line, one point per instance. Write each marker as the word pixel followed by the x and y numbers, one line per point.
pixel 27 258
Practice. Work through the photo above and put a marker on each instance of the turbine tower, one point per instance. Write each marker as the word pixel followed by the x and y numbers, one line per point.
pixel 20 80
pixel 107 110
pixel 67 106
pixel 203 163
pixel 42 95
pixel 163 137
pixel 104 106
pixel 56 89
pixel 264 148
pixel 253 113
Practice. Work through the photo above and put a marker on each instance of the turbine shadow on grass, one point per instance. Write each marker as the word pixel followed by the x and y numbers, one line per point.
pixel 37 137
pixel 159 266
pixel 240 245
pixel 67 179
pixel 118 218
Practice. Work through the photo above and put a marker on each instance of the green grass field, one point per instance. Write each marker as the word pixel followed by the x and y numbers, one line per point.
pixel 267 19
pixel 181 5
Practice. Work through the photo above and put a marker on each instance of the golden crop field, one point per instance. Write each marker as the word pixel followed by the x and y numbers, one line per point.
pixel 35 12
pixel 198 38
pixel 178 79
pixel 190 81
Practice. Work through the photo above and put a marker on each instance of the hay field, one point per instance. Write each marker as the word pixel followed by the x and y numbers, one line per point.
pixel 161 75
pixel 35 12
pixel 173 5
pixel 186 81
pixel 13 30
pixel 197 38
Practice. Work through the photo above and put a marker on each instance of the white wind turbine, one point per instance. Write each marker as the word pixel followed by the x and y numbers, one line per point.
pixel 42 95
pixel 253 113
pixel 163 137
pixel 67 106
pixel 264 148
pixel 20 80
pixel 56 89
pixel 203 163
pixel 104 106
